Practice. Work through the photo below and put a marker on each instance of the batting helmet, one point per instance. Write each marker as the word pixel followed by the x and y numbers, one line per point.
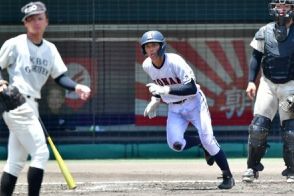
pixel 153 37
pixel 274 12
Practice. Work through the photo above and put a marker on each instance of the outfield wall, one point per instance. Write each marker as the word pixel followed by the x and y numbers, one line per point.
pixel 146 151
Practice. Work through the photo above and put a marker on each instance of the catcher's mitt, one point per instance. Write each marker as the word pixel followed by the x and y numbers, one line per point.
pixel 10 97
pixel 288 104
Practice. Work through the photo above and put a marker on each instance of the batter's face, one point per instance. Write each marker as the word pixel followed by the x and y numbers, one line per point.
pixel 36 24
pixel 152 51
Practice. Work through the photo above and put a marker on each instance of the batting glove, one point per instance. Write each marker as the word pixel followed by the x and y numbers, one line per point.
pixel 158 90
pixel 150 110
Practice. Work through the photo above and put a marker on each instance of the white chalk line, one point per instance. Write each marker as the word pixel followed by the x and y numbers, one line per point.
pixel 123 186
pixel 151 181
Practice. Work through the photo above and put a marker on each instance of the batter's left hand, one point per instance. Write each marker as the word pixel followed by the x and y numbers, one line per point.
pixel 158 90
pixel 83 91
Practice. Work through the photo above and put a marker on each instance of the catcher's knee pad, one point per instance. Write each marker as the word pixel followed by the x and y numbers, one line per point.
pixel 258 131
pixel 288 140
pixel 257 141
pixel 40 157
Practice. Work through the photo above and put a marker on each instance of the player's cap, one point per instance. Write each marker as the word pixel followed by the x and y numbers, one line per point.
pixel 33 8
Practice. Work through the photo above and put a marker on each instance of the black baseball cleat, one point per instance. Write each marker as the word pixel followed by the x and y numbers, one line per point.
pixel 289 174
pixel 228 181
pixel 209 159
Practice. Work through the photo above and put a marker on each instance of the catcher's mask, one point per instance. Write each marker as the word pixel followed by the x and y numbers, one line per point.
pixel 282 12
pixel 153 37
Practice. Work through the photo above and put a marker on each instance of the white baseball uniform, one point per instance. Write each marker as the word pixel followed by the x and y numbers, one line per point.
pixel 29 67
pixel 269 93
pixel 182 109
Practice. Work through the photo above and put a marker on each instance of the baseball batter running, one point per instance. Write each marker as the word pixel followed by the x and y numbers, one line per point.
pixel 30 60
pixel 175 84
pixel 273 50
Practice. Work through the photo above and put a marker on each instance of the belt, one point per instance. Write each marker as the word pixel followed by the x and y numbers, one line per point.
pixel 179 102
pixel 30 97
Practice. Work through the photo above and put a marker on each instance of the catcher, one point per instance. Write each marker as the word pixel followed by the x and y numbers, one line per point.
pixel 30 60
pixel 273 51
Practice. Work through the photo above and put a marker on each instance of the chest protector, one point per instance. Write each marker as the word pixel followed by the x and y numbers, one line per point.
pixel 278 60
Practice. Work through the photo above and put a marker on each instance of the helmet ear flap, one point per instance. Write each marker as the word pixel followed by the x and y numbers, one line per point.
pixel 162 49
pixel 143 49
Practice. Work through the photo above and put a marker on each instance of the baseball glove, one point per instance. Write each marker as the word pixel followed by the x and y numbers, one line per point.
pixel 288 104
pixel 10 97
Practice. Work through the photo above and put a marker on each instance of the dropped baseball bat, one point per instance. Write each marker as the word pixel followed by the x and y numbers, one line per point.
pixel 63 167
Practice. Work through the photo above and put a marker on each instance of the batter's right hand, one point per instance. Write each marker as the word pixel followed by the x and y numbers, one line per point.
pixel 251 90
pixel 150 110
pixel 83 91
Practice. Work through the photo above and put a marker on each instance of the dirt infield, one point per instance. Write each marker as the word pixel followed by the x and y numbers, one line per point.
pixel 157 177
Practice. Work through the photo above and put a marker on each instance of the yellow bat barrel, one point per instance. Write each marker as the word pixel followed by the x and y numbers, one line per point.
pixel 64 169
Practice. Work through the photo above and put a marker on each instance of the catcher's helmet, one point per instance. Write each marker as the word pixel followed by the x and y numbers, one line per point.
pixel 274 12
pixel 151 37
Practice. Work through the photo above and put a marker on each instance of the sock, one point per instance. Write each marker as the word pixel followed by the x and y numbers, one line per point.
pixel 8 182
pixel 35 178
pixel 191 141
pixel 221 161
